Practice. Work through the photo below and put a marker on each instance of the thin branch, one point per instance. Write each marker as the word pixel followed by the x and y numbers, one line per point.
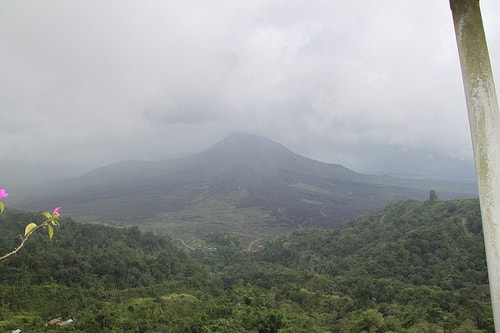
pixel 23 240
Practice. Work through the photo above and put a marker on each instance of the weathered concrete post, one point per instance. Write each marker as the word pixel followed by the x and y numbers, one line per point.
pixel 484 120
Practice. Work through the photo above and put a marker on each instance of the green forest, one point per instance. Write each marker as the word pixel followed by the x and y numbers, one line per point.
pixel 414 266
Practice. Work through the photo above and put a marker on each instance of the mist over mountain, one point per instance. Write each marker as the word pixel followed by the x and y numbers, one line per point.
pixel 244 184
pixel 20 176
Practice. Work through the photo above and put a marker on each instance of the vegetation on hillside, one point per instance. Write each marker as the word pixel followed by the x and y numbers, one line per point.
pixel 415 266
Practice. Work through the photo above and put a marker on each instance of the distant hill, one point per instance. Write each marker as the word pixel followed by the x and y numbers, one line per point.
pixel 245 185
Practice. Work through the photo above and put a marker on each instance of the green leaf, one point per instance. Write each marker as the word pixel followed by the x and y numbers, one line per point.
pixel 46 214
pixel 29 228
pixel 50 230
pixel 2 207
pixel 54 221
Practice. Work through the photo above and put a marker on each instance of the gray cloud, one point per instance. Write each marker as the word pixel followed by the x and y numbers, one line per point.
pixel 366 84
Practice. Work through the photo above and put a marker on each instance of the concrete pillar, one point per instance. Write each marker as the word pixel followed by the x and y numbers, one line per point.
pixel 484 120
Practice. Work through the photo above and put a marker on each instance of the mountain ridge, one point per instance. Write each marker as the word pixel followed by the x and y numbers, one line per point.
pixel 244 184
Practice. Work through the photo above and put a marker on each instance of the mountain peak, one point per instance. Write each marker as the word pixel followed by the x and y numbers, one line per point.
pixel 246 146
pixel 243 182
pixel 243 139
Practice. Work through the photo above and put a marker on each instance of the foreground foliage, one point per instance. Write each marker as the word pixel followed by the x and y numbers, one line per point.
pixel 411 267
pixel 51 221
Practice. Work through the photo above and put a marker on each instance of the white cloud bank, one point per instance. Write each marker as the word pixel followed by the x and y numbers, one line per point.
pixel 375 86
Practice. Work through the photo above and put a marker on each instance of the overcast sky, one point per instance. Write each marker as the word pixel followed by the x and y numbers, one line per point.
pixel 373 85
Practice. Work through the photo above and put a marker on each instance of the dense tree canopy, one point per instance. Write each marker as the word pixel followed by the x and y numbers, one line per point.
pixel 412 267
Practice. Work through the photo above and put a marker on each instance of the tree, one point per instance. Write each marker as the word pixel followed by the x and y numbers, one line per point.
pixel 432 196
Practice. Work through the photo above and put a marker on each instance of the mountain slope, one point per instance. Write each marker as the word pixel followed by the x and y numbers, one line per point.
pixel 245 184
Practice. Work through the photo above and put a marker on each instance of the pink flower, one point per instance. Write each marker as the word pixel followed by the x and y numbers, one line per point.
pixel 3 194
pixel 56 211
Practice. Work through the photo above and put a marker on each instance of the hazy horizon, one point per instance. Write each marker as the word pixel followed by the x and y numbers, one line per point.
pixel 362 84
pixel 23 175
